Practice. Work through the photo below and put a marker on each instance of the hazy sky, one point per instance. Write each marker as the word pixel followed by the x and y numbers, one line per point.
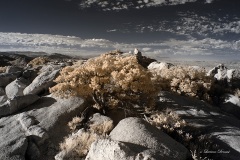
pixel 175 27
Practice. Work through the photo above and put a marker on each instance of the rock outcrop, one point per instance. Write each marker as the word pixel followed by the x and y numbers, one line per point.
pixel 221 72
pixel 138 132
pixel 41 82
pixel 159 66
pixel 16 87
pixel 16 104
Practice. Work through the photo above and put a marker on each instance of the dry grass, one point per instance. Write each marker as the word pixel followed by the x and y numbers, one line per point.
pixel 3 69
pixel 102 128
pixel 74 123
pixel 184 80
pixel 78 144
pixel 38 61
pixel 237 93
pixel 168 120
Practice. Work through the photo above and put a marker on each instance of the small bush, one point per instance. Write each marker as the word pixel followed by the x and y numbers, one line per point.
pixel 3 69
pixel 184 81
pixel 110 80
pixel 38 61
pixel 237 93
pixel 168 120
pixel 78 144
pixel 101 129
pixel 73 124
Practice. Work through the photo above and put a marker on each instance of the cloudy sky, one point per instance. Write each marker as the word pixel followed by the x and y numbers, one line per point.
pixel 159 28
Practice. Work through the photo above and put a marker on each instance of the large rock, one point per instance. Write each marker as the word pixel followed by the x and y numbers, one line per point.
pixel 109 149
pixel 17 103
pixel 16 87
pixel 137 131
pixel 103 149
pixel 157 66
pixel 221 72
pixel 6 78
pixel 41 82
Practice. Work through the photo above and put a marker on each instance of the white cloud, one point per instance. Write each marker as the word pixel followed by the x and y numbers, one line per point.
pixel 112 30
pixel 209 1
pixel 188 23
pixel 105 5
pixel 89 47
pixel 53 43
pixel 146 49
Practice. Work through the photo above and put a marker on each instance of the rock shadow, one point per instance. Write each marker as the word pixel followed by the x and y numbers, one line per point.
pixel 203 118
pixel 41 103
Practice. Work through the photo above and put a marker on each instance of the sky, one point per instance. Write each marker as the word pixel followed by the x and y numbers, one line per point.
pixel 159 28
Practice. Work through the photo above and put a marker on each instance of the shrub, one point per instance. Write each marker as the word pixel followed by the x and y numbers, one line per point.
pixel 77 144
pixel 110 80
pixel 184 81
pixel 100 128
pixel 237 93
pixel 3 69
pixel 73 124
pixel 38 61
pixel 168 121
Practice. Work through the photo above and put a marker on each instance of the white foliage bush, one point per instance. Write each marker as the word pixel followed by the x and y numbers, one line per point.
pixel 184 80
pixel 168 121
